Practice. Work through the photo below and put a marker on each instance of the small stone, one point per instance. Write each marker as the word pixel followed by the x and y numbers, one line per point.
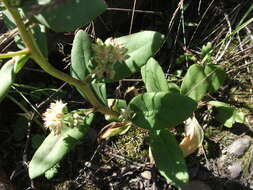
pixel 87 164
pixel 123 170
pixel 239 146
pixel 221 161
pixel 196 184
pixel 146 175
pixel 235 169
pixel 135 180
pixel 3 186
pixel 114 174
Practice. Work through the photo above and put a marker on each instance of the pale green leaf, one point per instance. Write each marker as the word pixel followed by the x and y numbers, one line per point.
pixel 55 147
pixel 154 77
pixel 65 16
pixel 141 47
pixel 169 158
pixel 216 76
pixel 8 74
pixel 195 84
pixel 81 65
pixel 161 110
pixel 227 114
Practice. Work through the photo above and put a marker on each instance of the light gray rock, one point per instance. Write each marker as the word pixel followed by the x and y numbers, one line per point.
pixel 146 175
pixel 221 161
pixel 239 146
pixel 235 169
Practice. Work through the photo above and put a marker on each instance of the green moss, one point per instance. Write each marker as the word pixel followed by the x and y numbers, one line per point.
pixel 63 186
pixel 133 144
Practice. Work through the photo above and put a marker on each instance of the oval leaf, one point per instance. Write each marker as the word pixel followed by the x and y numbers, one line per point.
pixel 80 55
pixel 54 148
pixel 153 77
pixel 141 46
pixel 216 76
pixel 195 84
pixel 169 158
pixel 8 73
pixel 66 16
pixel 227 114
pixel 81 66
pixel 161 110
pixel 7 77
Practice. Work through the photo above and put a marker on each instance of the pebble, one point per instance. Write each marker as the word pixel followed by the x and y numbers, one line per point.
pixel 3 186
pixel 198 185
pixel 235 169
pixel 239 146
pixel 146 175
pixel 221 161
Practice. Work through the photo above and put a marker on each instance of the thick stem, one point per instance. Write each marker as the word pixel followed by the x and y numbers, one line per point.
pixel 38 57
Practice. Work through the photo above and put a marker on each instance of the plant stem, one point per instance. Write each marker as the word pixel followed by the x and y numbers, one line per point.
pixel 38 57
pixel 13 54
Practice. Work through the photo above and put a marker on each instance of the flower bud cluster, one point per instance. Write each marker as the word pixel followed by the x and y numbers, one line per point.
pixel 106 54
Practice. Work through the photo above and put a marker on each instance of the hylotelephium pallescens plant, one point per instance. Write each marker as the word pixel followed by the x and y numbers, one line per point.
pixel 93 65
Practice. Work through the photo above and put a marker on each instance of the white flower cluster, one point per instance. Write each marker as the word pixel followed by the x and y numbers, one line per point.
pixel 57 116
pixel 54 116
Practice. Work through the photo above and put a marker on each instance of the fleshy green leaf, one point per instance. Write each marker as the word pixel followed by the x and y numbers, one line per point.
pixel 169 158
pixel 54 148
pixel 81 66
pixel 8 74
pixel 141 46
pixel 80 55
pixel 227 114
pixel 202 79
pixel 153 77
pixel 195 84
pixel 7 77
pixel 161 110
pixel 100 90
pixel 216 76
pixel 65 16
